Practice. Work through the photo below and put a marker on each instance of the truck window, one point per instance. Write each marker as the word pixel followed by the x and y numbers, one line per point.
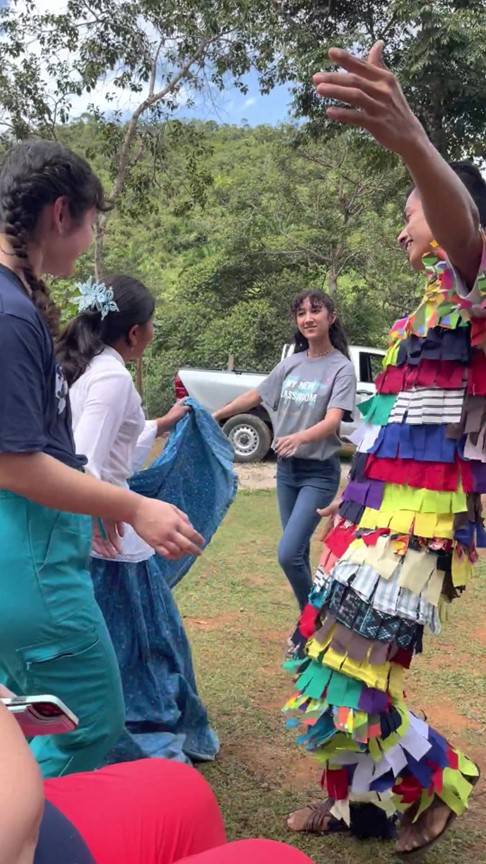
pixel 369 366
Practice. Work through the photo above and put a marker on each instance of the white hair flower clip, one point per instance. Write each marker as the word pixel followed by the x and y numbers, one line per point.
pixel 95 296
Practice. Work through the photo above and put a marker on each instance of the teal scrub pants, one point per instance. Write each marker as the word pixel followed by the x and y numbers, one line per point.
pixel 53 639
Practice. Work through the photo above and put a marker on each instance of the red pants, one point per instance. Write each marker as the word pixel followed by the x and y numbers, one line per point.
pixel 155 812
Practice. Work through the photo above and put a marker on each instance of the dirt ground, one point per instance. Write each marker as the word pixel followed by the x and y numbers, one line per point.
pixel 262 475
pixel 257 475
pixel 254 475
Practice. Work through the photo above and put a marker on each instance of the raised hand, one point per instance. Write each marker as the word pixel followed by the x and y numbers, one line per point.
pixel 375 96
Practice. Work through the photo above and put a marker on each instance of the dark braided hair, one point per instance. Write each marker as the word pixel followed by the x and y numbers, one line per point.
pixel 33 175
pixel 88 334
pixel 336 330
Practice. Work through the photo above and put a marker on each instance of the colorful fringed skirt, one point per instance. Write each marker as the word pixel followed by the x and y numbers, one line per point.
pixel 401 549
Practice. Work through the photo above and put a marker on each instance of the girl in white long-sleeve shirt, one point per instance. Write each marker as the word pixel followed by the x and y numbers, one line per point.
pixel 164 714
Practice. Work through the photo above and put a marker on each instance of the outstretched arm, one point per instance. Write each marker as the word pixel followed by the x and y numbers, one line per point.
pixel 377 104
pixel 242 403
pixel 45 480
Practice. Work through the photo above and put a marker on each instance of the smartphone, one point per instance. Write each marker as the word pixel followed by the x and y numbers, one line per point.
pixel 41 715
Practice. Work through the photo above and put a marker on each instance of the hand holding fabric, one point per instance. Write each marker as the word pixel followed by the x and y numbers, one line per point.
pixel 169 420
pixel 176 413
pixel 107 537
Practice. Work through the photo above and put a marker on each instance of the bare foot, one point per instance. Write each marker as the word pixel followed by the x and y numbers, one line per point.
pixel 412 836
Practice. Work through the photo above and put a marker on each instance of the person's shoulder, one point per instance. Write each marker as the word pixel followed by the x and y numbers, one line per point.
pixel 108 371
pixel 15 303
pixel 343 363
pixel 108 363
pixel 471 296
pixel 283 365
pixel 294 360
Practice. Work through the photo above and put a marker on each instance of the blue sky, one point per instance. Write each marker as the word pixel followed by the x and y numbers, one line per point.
pixel 228 106
pixel 232 106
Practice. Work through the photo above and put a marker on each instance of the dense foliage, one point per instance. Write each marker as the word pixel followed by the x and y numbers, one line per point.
pixel 435 47
pixel 278 215
pixel 224 223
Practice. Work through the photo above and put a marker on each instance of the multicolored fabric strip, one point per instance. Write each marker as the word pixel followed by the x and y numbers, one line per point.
pixel 402 547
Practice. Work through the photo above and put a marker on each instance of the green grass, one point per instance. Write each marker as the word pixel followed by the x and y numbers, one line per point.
pixel 238 611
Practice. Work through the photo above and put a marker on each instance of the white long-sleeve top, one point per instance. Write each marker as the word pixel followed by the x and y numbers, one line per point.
pixel 110 429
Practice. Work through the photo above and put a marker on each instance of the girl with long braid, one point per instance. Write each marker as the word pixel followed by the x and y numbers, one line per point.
pixel 52 635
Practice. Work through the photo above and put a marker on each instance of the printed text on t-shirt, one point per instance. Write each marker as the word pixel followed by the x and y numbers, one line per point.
pixel 295 390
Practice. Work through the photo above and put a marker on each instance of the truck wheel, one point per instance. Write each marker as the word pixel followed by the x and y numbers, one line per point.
pixel 250 437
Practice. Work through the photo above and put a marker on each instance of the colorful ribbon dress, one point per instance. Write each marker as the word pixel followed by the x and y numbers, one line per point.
pixel 402 547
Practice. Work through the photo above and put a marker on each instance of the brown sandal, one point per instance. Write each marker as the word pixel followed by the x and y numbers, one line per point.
pixel 407 822
pixel 316 818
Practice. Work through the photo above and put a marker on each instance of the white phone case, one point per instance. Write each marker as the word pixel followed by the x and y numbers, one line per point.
pixel 41 715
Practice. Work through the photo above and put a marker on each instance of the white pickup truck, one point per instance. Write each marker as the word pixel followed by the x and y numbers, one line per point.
pixel 251 434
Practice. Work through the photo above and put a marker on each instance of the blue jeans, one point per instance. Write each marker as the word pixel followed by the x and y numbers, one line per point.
pixel 303 485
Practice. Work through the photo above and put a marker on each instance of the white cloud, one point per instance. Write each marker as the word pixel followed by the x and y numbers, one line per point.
pixel 249 102
pixel 106 97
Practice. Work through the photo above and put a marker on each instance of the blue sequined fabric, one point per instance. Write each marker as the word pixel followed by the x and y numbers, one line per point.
pixel 194 472
pixel 165 716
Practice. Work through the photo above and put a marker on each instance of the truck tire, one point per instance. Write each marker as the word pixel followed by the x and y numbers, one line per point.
pixel 250 437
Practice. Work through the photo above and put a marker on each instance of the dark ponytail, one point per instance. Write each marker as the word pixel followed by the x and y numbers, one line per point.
pixel 33 175
pixel 473 180
pixel 88 334
pixel 336 330
pixel 475 184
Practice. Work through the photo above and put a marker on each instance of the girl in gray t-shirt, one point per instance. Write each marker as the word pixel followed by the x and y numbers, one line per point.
pixel 309 391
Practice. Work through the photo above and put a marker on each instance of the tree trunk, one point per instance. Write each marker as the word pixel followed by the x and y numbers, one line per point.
pixel 332 281
pixel 99 248
pixel 434 123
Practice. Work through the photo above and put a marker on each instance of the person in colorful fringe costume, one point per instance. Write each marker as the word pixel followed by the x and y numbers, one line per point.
pixel 405 536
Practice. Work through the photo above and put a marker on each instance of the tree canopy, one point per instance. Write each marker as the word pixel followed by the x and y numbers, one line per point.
pixel 279 216
pixel 436 49
pixel 224 223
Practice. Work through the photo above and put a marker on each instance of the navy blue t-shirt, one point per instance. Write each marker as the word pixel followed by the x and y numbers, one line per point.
pixel 59 841
pixel 35 414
